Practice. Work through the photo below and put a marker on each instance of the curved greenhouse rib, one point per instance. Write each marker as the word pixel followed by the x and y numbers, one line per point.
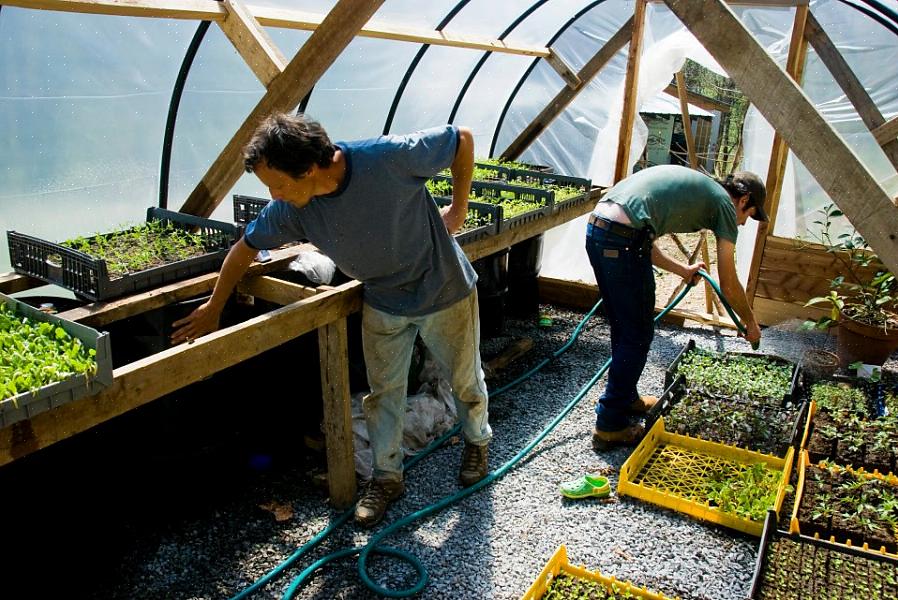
pixel 486 55
pixel 517 88
pixel 173 105
pixel 414 65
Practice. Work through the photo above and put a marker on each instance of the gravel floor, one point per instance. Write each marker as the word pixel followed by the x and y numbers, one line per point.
pixel 490 545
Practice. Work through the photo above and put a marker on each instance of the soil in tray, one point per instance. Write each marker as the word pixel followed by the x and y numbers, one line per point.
pixel 862 508
pixel 752 424
pixel 570 587
pixel 760 378
pixel 794 570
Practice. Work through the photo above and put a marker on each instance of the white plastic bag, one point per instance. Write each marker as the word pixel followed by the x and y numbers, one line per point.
pixel 318 268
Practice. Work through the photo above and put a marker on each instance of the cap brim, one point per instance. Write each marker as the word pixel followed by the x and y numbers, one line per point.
pixel 760 214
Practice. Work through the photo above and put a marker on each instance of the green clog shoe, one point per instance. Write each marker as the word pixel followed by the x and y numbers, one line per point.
pixel 588 486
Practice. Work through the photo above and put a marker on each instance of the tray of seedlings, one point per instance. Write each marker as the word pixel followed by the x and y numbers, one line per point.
pixel 852 423
pixel 762 377
pixel 846 506
pixel 794 566
pixel 481 221
pixel 46 361
pixel 519 204
pixel 712 482
pixel 167 247
pixel 560 580
pixel 743 422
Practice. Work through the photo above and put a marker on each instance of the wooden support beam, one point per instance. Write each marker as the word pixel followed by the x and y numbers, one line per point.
pixel 826 156
pixel 563 70
pixel 203 10
pixel 10 283
pixel 284 93
pixel 274 290
pixel 333 350
pixel 567 95
pixel 698 99
pixel 631 85
pixel 252 42
pixel 849 83
pixel 143 381
pixel 779 153
pixel 687 120
pixel 887 132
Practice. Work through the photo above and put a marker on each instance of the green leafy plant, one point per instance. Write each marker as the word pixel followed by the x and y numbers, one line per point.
pixel 736 376
pixel 37 353
pixel 862 291
pixel 748 492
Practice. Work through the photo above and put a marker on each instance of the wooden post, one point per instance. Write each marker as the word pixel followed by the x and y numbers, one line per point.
pixel 252 42
pixel 631 86
pixel 779 153
pixel 333 352
pixel 687 120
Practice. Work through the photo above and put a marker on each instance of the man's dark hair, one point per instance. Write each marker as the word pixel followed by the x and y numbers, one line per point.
pixel 289 143
pixel 741 183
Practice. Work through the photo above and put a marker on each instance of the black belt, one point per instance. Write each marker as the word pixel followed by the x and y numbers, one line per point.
pixel 614 227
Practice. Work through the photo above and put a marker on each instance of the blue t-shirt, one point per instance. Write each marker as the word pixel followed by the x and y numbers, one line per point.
pixel 381 225
pixel 676 199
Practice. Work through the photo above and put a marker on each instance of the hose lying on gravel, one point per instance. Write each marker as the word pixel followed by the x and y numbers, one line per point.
pixel 373 546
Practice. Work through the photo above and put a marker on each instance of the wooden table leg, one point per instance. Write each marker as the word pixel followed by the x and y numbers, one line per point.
pixel 333 347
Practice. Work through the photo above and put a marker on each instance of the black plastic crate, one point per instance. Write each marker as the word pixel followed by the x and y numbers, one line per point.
pixel 501 171
pixel 495 192
pixel 488 212
pixel 247 208
pixel 88 277
pixel 793 396
pixel 27 404
pixel 795 417
pixel 825 569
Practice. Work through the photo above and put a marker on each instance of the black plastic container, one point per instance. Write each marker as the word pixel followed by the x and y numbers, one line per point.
pixel 492 291
pixel 524 262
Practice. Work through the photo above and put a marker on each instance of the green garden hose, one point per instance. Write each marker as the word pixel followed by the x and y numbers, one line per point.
pixel 373 546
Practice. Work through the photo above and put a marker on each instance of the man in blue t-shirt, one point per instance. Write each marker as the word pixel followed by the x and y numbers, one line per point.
pixel 365 206
pixel 619 242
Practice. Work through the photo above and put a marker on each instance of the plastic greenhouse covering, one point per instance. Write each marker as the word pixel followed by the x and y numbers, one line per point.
pixel 86 99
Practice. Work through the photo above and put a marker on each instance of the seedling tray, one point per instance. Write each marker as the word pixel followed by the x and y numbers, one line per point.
pixel 558 564
pixel 490 212
pixel 88 277
pixel 496 192
pixel 668 469
pixel 712 420
pixel 824 570
pixel 27 404
pixel 247 208
pixel 796 526
pixel 789 397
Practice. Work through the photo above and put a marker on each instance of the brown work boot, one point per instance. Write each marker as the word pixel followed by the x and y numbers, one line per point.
pixel 643 404
pixel 628 436
pixel 375 498
pixel 473 464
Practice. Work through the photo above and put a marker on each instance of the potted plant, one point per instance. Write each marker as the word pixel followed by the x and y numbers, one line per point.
pixel 861 298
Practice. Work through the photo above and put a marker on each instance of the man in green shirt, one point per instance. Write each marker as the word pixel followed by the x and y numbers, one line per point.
pixel 619 242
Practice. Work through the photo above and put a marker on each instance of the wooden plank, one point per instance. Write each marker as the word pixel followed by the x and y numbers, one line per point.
pixel 687 121
pixel 153 377
pixel 101 313
pixel 284 93
pixel 274 290
pixel 333 350
pixel 10 283
pixel 850 84
pixel 561 100
pixel 295 19
pixel 773 312
pixel 631 85
pixel 252 42
pixel 887 132
pixel 779 153
pixel 563 70
pixel 835 166
pixel 698 99
pixel 204 10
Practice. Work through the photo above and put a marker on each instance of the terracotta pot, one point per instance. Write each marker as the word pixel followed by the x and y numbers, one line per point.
pixel 865 343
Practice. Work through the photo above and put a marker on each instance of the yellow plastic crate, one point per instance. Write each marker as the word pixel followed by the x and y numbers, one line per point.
pixel 694 458
pixel 812 410
pixel 559 564
pixel 804 461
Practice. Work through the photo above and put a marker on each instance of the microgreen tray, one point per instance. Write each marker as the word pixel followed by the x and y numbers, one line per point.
pixel 27 404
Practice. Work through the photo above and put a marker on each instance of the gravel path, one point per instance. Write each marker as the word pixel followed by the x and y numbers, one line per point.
pixel 490 545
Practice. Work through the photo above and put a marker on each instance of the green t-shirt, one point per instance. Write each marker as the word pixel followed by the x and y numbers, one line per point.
pixel 675 199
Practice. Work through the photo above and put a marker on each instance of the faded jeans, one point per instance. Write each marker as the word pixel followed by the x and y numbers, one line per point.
pixel 627 284
pixel 453 337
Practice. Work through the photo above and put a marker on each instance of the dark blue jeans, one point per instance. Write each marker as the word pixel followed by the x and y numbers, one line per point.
pixel 627 284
